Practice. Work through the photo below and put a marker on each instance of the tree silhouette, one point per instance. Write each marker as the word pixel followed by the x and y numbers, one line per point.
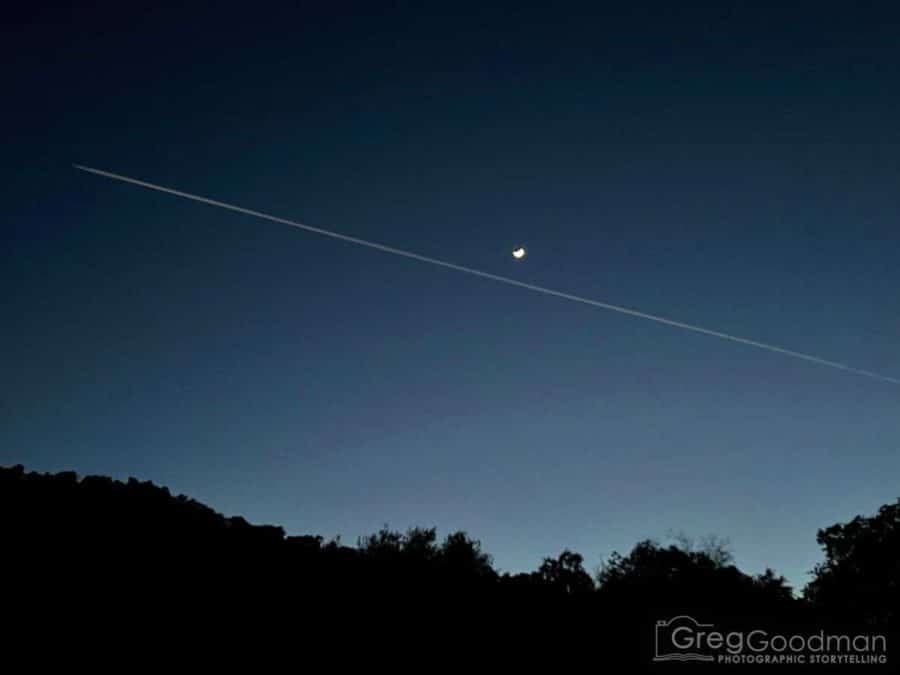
pixel 95 535
pixel 566 574
pixel 463 556
pixel 657 576
pixel 860 577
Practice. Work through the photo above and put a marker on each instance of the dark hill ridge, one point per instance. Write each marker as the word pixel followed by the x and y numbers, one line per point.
pixel 66 538
pixel 133 512
pixel 136 532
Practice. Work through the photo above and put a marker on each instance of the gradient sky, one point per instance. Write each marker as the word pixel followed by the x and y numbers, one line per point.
pixel 729 166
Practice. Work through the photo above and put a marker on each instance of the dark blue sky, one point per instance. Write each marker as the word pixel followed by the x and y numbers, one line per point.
pixel 730 166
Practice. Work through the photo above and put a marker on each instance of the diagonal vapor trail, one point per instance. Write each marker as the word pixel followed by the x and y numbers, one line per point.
pixel 488 275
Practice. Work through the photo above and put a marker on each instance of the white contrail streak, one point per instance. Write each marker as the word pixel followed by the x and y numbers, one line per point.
pixel 488 275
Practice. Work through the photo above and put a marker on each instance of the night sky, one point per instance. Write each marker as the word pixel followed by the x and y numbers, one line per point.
pixel 729 165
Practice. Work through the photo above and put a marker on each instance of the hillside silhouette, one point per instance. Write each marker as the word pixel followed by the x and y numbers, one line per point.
pixel 67 538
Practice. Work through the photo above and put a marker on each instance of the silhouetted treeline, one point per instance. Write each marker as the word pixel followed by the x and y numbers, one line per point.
pixel 68 537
